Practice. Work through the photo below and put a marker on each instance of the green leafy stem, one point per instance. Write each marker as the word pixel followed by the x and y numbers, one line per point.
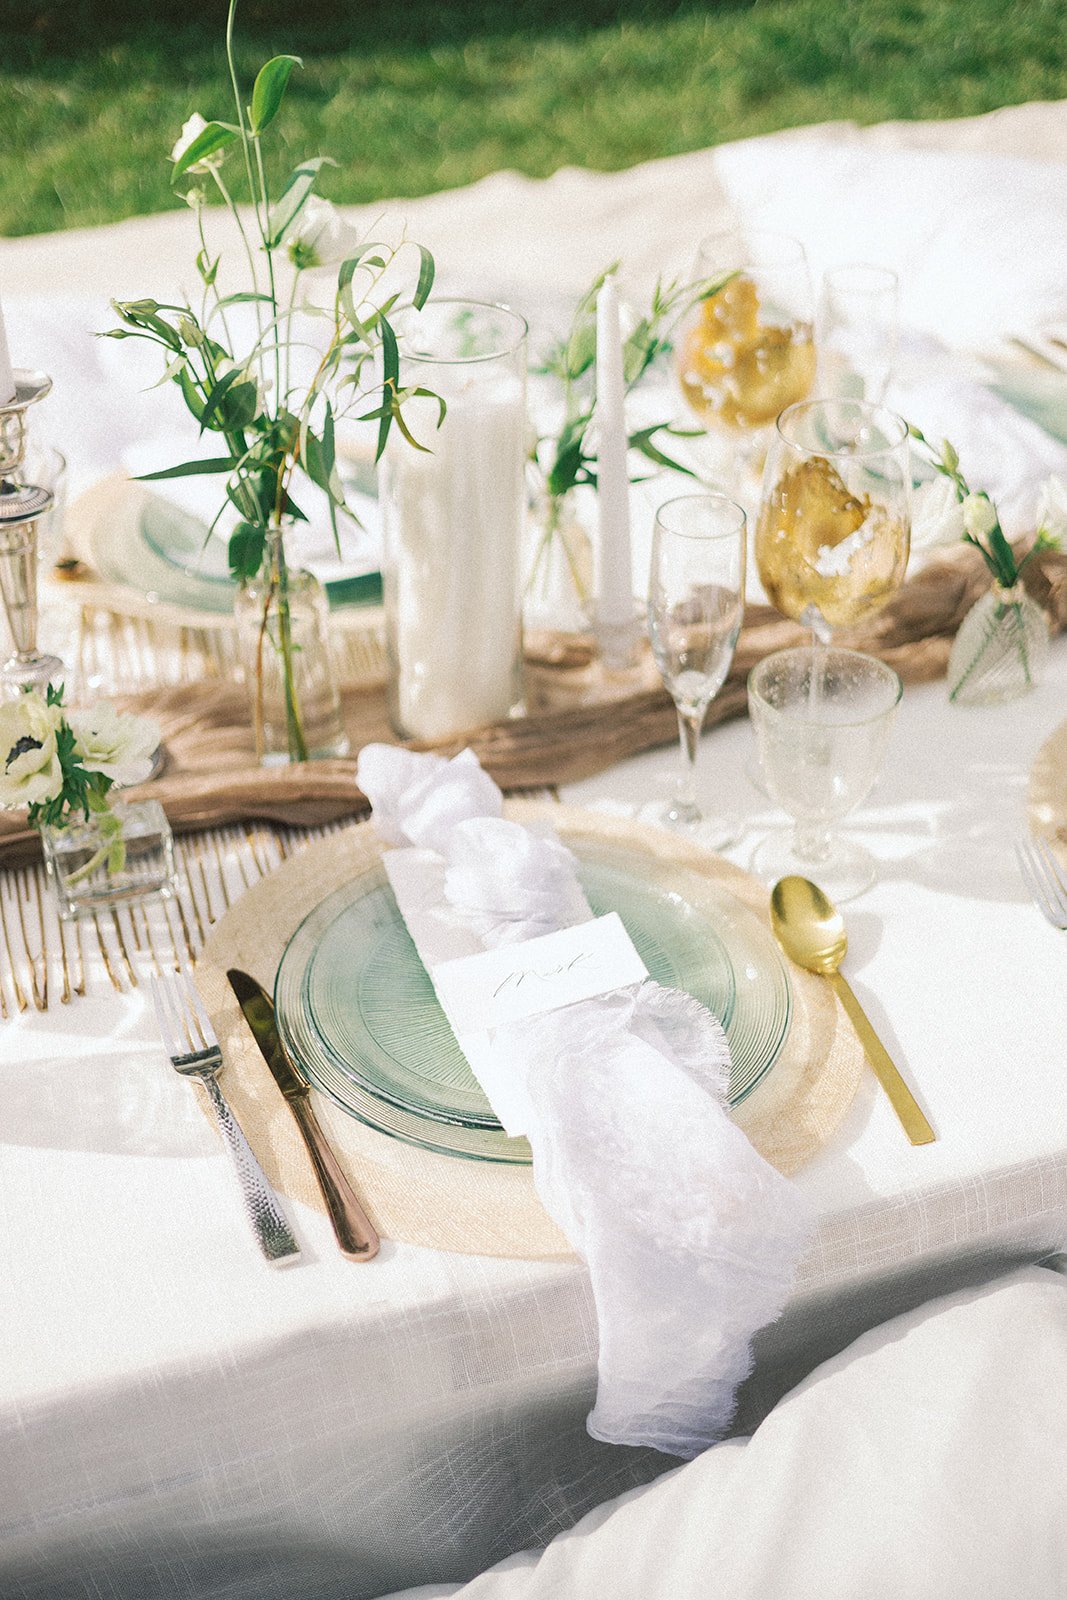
pixel 267 444
pixel 566 458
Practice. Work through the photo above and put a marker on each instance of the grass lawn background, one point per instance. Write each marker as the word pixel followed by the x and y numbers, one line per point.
pixel 418 95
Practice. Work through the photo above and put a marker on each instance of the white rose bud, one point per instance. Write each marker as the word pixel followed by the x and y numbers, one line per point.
pixel 1052 508
pixel 192 129
pixel 320 236
pixel 979 515
pixel 30 772
pixel 121 747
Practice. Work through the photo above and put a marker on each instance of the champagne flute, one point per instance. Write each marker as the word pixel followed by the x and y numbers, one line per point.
pixel 834 525
pixel 858 326
pixel 695 606
pixel 747 352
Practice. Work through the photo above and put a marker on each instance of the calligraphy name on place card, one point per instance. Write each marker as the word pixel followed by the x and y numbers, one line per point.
pixel 523 980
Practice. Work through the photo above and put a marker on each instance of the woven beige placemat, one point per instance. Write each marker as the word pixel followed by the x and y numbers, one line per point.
pixel 487 1208
pixel 1048 791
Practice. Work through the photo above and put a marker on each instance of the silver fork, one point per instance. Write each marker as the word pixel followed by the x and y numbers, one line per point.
pixel 1045 879
pixel 191 1042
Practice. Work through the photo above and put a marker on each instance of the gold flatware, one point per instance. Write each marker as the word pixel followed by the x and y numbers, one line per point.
pixel 811 931
pixel 352 1227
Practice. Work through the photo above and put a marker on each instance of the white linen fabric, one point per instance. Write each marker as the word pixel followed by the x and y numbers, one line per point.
pixel 976 240
pixel 1002 452
pixel 690 1237
pixel 926 1462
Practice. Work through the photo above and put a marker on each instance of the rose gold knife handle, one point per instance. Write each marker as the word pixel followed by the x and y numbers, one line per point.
pixel 355 1233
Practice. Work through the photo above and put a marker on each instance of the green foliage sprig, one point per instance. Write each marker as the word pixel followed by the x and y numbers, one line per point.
pixel 566 458
pixel 271 432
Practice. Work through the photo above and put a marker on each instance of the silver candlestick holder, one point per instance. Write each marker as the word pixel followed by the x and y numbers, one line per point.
pixel 22 506
pixel 29 388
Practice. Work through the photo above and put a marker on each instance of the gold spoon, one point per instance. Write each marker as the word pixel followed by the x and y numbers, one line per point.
pixel 811 931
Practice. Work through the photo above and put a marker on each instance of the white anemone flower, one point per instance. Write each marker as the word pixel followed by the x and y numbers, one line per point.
pixel 30 771
pixel 121 747
pixel 1052 508
pixel 192 129
pixel 936 515
pixel 320 236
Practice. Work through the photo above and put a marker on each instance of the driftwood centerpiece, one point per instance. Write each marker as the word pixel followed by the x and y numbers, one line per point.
pixel 577 726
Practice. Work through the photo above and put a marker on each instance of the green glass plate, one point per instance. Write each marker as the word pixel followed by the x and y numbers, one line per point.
pixel 356 1008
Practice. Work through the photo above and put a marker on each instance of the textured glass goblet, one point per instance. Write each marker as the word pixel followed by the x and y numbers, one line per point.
pixel 822 719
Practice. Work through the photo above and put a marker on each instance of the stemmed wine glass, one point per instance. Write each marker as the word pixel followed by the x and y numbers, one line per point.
pixel 695 606
pixel 834 525
pixel 831 547
pixel 747 352
pixel 857 329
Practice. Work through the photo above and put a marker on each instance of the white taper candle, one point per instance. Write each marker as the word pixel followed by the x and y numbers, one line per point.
pixel 614 563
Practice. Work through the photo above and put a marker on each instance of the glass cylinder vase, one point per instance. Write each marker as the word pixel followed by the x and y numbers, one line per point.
pixel 281 617
pixel 453 517
pixel 1000 650
pixel 110 858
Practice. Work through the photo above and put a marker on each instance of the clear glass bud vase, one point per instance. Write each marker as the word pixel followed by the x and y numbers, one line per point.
pixel 281 617
pixel 559 567
pixel 109 858
pixel 1000 650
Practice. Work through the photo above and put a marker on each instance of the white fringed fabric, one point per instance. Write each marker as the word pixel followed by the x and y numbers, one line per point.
pixel 691 1238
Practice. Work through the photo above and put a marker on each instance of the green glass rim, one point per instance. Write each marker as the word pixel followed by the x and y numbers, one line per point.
pixel 367 1057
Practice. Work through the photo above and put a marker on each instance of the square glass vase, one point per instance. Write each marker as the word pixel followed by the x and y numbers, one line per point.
pixel 80 861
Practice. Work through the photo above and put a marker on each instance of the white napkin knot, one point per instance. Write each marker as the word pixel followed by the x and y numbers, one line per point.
pixel 689 1236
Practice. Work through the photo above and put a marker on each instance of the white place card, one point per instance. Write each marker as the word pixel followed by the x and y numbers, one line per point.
pixel 509 983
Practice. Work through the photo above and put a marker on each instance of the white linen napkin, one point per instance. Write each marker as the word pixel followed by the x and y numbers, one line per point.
pixel 690 1238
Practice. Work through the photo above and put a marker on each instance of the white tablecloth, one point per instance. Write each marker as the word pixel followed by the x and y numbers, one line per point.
pixel 178 1419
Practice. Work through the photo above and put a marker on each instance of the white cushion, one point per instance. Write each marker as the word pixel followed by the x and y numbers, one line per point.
pixel 928 1461
pixel 978 240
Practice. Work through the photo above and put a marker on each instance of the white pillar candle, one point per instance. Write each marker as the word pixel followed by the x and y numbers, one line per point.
pixel 614 563
pixel 7 376
pixel 452 574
